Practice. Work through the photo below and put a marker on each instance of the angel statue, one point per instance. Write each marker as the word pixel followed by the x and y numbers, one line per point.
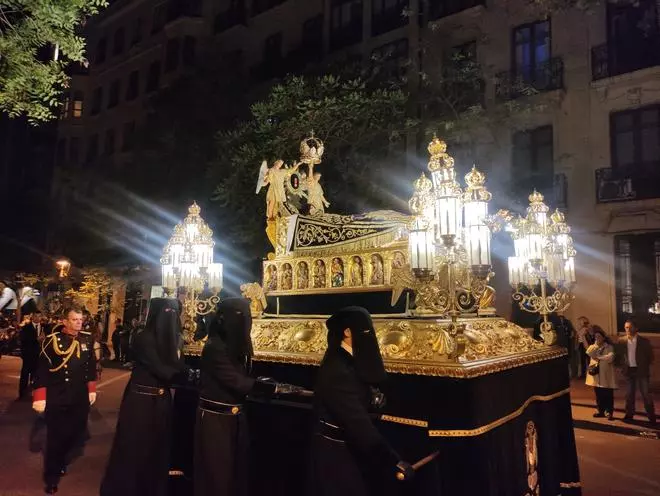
pixel 274 178
pixel 255 293
pixel 315 195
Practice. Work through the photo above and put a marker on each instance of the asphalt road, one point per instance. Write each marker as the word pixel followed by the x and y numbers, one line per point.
pixel 616 459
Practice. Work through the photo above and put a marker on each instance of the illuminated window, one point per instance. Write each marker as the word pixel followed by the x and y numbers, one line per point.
pixel 77 104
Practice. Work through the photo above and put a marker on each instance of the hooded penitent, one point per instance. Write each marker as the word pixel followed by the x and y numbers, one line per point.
pixel 232 325
pixel 163 321
pixel 366 354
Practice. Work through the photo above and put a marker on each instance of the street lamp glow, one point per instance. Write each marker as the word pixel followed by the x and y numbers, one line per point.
pixel 63 267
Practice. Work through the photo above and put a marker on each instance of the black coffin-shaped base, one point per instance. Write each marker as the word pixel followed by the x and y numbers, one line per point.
pixel 509 433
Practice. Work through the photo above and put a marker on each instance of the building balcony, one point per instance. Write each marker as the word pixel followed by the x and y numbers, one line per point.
pixel 443 8
pixel 177 9
pixel 230 18
pixel 627 184
pixel 526 81
pixel 346 35
pixel 387 21
pixel 608 60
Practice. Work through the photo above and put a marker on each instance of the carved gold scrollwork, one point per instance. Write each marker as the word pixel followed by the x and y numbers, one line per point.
pixel 413 345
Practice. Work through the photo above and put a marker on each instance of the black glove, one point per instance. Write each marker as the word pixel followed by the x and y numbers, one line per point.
pixel 265 386
pixel 404 471
pixel 186 377
pixel 378 399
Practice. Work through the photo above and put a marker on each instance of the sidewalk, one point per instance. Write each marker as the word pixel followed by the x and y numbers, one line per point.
pixel 583 402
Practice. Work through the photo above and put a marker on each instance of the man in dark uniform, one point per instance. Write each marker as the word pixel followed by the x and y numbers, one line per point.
pixel 221 432
pixel 349 455
pixel 65 387
pixel 29 336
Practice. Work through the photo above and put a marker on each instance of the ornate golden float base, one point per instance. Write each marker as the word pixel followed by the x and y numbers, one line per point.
pixel 414 346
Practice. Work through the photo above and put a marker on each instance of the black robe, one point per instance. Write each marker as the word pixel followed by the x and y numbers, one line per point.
pixel 353 459
pixel 140 456
pixel 221 439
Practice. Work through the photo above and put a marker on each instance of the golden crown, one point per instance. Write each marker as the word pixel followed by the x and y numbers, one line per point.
pixel 311 150
pixel 423 183
pixel 440 159
pixel 194 209
pixel 476 189
pixel 557 217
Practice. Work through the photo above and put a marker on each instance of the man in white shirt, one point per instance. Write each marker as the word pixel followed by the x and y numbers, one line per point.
pixel 638 355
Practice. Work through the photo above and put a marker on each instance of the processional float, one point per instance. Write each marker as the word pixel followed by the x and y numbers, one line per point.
pixel 493 401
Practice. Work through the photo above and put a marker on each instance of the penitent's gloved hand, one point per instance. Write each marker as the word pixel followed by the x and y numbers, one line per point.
pixel 266 386
pixel 404 471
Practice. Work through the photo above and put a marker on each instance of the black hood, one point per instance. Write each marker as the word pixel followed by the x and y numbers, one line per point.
pixel 366 353
pixel 164 323
pixel 232 325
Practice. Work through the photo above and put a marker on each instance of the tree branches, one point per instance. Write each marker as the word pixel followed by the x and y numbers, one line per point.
pixel 30 82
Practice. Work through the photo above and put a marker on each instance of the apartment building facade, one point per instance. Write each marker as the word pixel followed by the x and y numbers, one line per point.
pixel 591 144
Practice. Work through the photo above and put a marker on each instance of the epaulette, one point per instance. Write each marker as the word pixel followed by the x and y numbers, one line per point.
pixel 52 334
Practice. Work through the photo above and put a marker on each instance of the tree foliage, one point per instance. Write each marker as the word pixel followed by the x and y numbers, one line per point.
pixel 31 83
pixel 360 122
pixel 96 286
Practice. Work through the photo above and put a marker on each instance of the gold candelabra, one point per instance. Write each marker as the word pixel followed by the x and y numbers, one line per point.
pixel 544 256
pixel 449 243
pixel 188 270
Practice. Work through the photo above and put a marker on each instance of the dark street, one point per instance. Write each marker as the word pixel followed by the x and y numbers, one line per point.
pixel 616 459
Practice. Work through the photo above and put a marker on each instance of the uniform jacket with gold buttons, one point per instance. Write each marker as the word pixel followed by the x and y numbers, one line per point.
pixel 67 369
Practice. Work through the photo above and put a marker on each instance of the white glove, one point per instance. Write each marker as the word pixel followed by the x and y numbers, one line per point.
pixel 39 406
pixel 92 398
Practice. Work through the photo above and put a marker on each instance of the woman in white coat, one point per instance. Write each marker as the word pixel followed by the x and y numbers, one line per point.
pixel 600 373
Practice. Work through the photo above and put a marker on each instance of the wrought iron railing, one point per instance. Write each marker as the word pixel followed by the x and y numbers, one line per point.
pixel 525 81
pixel 608 60
pixel 230 18
pixel 388 20
pixel 627 184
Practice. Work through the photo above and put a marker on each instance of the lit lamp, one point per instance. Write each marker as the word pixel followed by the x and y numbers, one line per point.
pixel 447 192
pixel 187 263
pixel 422 249
pixel 63 267
pixel 544 255
pixel 477 233
pixel 449 244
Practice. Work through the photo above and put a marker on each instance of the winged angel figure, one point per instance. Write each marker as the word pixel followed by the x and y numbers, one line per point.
pixel 275 178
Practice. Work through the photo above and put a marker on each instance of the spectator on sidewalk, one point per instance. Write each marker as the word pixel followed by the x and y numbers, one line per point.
pixel 600 374
pixel 637 354
pixel 116 340
pixel 124 342
pixel 585 339
pixel 29 338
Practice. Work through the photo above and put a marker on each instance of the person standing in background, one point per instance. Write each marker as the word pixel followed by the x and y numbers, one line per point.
pixel 116 340
pixel 601 373
pixel 585 339
pixel 29 338
pixel 638 357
